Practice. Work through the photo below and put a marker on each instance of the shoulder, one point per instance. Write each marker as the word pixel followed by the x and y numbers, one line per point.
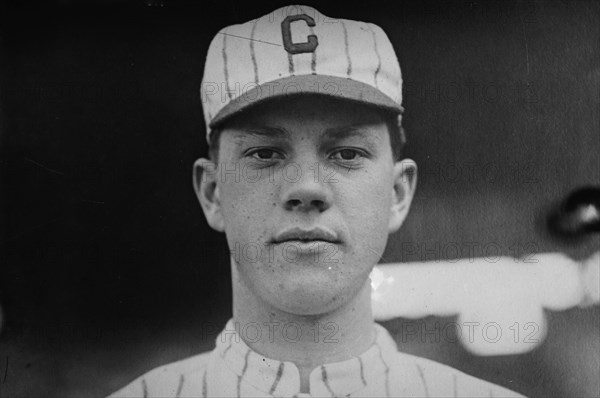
pixel 435 379
pixel 167 380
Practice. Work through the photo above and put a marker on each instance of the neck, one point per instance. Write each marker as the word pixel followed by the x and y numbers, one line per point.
pixel 306 340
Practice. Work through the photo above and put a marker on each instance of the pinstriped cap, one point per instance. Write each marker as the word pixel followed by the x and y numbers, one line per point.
pixel 295 50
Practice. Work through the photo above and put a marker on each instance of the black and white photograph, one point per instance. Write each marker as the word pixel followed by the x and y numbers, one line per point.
pixel 323 199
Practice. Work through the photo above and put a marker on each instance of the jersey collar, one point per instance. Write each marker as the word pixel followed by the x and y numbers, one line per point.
pixel 280 378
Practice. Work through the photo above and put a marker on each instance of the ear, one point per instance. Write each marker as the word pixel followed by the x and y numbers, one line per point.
pixel 405 183
pixel 207 191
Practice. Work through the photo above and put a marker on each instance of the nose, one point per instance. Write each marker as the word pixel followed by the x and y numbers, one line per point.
pixel 304 190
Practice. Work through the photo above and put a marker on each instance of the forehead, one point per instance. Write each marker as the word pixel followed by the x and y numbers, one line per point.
pixel 307 111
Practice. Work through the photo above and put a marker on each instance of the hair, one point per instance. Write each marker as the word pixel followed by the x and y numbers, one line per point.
pixel 395 130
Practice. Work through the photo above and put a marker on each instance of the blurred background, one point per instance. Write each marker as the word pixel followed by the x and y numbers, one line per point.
pixel 107 266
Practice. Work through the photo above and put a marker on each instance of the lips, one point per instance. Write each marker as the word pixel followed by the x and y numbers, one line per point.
pixel 296 234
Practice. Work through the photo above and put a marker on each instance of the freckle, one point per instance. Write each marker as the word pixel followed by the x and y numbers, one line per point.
pixel 274 204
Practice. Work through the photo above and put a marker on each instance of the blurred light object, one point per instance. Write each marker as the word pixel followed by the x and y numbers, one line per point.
pixel 499 305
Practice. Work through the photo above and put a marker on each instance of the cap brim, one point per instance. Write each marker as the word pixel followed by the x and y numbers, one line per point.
pixel 330 86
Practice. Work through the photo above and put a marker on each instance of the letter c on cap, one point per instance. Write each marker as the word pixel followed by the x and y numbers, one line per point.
pixel 298 48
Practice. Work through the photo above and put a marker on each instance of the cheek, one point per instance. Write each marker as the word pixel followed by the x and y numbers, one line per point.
pixel 245 206
pixel 367 204
pixel 371 197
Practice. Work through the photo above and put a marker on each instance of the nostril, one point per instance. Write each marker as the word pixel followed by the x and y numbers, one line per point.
pixel 318 204
pixel 306 201
pixel 294 202
pixel 300 204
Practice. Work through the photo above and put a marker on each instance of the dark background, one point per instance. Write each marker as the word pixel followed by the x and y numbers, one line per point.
pixel 108 267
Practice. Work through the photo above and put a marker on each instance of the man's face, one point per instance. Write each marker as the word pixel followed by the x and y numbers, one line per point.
pixel 305 186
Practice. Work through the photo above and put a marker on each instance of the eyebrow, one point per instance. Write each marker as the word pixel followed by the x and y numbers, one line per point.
pixel 338 132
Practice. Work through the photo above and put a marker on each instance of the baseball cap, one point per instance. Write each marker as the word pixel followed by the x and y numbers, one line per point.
pixel 297 50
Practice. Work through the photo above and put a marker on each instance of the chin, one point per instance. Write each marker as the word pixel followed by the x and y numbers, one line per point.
pixel 307 298
pixel 311 307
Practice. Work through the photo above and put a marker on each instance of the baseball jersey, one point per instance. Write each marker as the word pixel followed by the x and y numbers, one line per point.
pixel 233 369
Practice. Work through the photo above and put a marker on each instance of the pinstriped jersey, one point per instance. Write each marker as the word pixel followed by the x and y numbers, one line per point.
pixel 232 369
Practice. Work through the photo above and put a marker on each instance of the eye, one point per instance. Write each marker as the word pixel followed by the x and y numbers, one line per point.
pixel 347 154
pixel 265 154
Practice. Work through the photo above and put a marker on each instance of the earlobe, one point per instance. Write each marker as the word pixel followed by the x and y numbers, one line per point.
pixel 405 183
pixel 207 190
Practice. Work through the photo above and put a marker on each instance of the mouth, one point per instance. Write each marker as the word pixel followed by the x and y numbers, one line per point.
pixel 300 235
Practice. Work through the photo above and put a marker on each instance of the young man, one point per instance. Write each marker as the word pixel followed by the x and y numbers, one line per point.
pixel 305 180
